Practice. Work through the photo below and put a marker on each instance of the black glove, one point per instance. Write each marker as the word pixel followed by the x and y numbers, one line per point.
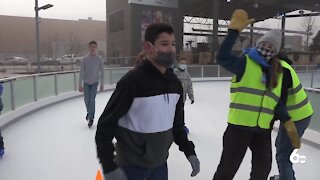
pixel 195 164
pixel 192 101
pixel 117 174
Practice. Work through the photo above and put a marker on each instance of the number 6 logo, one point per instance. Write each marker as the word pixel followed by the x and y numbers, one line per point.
pixel 296 158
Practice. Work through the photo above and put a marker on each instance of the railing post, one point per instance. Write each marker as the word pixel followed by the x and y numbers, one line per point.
pixel 56 84
pixel 219 70
pixel 75 80
pixel 201 70
pixel 110 76
pixel 13 106
pixel 35 88
pixel 312 76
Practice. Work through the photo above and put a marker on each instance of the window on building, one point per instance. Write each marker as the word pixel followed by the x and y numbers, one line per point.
pixel 116 21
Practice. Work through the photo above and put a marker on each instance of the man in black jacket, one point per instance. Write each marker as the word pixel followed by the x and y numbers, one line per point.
pixel 145 114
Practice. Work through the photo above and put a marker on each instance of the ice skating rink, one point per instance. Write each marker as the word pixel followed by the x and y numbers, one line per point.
pixel 56 143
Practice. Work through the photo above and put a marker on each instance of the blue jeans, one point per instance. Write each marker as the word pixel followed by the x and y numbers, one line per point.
pixel 285 148
pixel 90 92
pixel 141 173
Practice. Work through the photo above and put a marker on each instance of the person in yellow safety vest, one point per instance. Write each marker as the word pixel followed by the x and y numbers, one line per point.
pixel 255 99
pixel 300 111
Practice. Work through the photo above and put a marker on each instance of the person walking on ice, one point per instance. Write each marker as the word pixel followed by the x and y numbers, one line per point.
pixel 91 71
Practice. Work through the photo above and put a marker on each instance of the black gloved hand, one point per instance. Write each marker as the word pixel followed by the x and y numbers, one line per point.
pixel 195 164
pixel 192 101
pixel 117 174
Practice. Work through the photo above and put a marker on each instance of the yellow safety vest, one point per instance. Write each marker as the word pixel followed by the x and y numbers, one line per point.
pixel 252 104
pixel 298 105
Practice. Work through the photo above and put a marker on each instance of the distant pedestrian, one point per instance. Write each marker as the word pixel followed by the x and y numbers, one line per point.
pixel 91 71
pixel 186 82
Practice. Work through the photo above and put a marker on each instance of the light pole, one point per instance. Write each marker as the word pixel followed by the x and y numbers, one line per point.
pixel 37 9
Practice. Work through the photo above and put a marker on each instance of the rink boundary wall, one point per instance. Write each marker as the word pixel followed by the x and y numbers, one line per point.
pixel 20 113
pixel 310 137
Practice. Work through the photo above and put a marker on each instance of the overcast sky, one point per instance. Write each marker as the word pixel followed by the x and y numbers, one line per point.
pixel 63 9
pixel 82 9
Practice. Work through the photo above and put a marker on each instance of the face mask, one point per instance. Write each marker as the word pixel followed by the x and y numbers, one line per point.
pixel 265 53
pixel 182 66
pixel 165 59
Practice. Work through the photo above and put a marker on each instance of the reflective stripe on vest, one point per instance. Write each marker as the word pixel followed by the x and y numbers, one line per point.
pixel 252 104
pixel 298 105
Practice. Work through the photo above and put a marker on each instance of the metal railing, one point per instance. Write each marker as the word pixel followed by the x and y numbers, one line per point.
pixel 26 89
pixel 22 90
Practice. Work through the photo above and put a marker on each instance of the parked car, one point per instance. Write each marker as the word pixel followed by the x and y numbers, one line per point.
pixel 70 59
pixel 45 59
pixel 15 60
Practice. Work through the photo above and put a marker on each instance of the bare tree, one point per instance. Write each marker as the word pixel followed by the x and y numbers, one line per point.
pixel 308 26
pixel 74 44
pixel 47 46
pixel 316 43
pixel 50 44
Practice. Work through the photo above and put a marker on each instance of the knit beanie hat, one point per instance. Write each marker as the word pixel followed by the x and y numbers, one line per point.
pixel 274 37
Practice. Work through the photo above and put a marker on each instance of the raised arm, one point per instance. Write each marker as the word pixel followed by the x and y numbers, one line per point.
pixel 225 58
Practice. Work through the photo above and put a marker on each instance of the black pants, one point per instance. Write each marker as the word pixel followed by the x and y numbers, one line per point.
pixel 235 143
pixel 1 141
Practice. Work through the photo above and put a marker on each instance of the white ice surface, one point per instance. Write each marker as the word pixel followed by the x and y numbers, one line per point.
pixel 56 144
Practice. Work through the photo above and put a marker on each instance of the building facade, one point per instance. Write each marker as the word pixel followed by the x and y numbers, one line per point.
pixel 128 20
pixel 57 37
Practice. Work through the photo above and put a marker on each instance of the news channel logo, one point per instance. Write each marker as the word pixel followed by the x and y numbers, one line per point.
pixel 296 158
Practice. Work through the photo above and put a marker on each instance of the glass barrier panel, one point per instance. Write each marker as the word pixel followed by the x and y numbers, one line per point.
pixel 314 98
pixel 225 73
pixel 316 79
pixel 107 75
pixel 45 86
pixel 23 91
pixel 6 98
pixel 210 71
pixel 305 79
pixel 77 79
pixel 194 71
pixel 117 74
pixel 65 82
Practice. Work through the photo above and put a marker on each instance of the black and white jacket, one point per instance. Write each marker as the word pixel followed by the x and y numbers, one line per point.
pixel 145 114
